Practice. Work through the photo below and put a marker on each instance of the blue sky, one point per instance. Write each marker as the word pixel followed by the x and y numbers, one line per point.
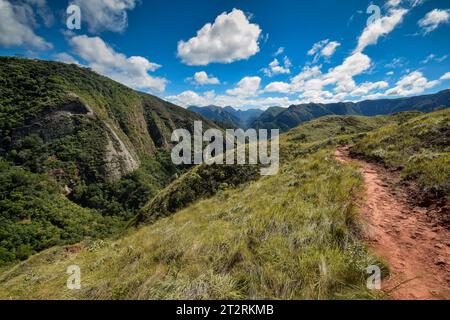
pixel 249 53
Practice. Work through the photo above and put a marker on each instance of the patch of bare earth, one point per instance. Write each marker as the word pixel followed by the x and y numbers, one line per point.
pixel 416 248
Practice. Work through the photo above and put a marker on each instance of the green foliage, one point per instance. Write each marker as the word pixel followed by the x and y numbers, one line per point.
pixel 35 215
pixel 125 197
pixel 270 239
pixel 419 147
pixel 201 182
pixel 58 125
pixel 288 236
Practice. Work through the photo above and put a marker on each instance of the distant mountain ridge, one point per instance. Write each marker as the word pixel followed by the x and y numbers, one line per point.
pixel 228 116
pixel 288 118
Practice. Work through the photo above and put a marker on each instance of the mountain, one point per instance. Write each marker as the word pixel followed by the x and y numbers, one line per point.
pixel 246 117
pixel 228 116
pixel 79 153
pixel 233 244
pixel 285 119
pixel 218 115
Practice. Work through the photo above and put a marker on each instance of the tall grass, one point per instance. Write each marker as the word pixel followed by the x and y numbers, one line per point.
pixel 289 236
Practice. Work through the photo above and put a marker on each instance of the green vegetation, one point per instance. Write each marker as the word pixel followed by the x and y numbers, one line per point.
pixel 288 118
pixel 201 182
pixel 35 215
pixel 89 148
pixel 419 147
pixel 288 236
pixel 81 156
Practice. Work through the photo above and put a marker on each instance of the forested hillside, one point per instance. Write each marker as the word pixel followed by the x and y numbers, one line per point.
pixel 79 153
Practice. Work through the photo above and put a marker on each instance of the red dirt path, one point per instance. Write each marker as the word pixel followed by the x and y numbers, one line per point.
pixel 417 250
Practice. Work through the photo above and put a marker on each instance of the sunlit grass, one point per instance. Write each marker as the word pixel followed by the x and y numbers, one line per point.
pixel 289 236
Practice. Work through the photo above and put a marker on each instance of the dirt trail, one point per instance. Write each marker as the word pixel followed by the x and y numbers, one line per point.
pixel 416 249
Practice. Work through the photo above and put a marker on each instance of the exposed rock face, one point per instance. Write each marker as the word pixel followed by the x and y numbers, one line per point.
pixel 82 122
pixel 119 159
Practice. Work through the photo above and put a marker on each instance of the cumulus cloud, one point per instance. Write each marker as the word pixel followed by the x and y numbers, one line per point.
pixel 18 21
pixel 410 84
pixel 324 48
pixel 247 87
pixel 379 28
pixel 433 19
pixel 105 15
pixel 329 49
pixel 189 98
pixel 66 58
pixel 131 71
pixel 446 76
pixel 367 87
pixel 230 38
pixel 315 86
pixel 202 78
pixel 276 68
pixel 393 3
pixel 340 76
pixel 278 86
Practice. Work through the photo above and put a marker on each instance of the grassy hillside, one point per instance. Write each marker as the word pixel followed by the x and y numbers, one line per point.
pixel 292 236
pixel 419 148
pixel 89 145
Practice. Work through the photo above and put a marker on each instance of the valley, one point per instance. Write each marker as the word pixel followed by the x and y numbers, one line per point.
pixel 87 181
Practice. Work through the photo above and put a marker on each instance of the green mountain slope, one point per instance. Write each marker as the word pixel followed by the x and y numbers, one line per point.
pixel 285 119
pixel 292 235
pixel 90 146
pixel 228 117
pixel 420 149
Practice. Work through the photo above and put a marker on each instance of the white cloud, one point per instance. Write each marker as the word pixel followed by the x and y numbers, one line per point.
pixel 17 22
pixel 312 84
pixel 189 98
pixel 105 15
pixel 279 51
pixel 131 71
pixel 247 87
pixel 202 78
pixel 433 19
pixel 329 49
pixel 230 38
pixel 433 57
pixel 278 86
pixel 446 76
pixel 396 63
pixel 412 83
pixel 367 87
pixel 317 47
pixel 393 3
pixel 390 73
pixel 411 3
pixel 379 28
pixel 323 48
pixel 275 68
pixel 66 58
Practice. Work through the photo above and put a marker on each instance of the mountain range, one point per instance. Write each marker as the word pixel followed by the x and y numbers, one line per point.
pixel 86 179
pixel 287 118
pixel 228 116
